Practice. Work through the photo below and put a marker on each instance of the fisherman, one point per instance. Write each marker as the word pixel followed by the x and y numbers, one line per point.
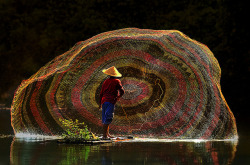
pixel 111 92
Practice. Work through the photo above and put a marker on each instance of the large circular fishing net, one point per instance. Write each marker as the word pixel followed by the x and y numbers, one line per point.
pixel 171 82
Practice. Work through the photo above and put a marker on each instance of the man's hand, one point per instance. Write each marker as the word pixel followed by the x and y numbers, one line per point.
pixel 118 98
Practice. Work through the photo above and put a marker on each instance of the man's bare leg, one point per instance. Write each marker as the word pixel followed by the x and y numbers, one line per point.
pixel 106 131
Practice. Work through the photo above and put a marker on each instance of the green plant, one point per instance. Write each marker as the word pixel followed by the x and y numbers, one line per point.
pixel 76 130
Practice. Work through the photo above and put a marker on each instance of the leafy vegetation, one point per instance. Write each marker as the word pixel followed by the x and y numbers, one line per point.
pixel 77 131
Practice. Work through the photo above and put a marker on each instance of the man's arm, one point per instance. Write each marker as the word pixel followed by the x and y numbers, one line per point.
pixel 121 93
pixel 120 89
pixel 100 101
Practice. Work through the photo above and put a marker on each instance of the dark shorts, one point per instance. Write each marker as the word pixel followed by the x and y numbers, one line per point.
pixel 107 112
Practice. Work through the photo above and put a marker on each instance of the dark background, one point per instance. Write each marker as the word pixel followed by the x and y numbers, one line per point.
pixel 33 32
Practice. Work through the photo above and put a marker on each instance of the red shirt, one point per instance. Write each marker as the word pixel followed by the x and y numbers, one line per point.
pixel 109 91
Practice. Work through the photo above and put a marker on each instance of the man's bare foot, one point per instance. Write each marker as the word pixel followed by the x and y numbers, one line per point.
pixel 110 136
pixel 105 138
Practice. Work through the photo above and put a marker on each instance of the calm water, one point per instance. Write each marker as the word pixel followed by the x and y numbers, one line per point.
pixel 39 151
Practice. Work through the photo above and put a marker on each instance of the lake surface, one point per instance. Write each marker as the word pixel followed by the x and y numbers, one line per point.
pixel 25 151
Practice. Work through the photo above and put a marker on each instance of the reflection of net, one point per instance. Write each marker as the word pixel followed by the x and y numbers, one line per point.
pixel 171 83
pixel 179 153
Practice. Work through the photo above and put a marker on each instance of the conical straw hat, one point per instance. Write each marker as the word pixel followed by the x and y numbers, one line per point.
pixel 112 71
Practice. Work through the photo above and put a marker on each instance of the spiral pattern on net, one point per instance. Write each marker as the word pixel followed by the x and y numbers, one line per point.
pixel 171 82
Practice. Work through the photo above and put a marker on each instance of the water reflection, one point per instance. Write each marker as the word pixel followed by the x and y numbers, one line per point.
pixel 50 152
pixel 33 151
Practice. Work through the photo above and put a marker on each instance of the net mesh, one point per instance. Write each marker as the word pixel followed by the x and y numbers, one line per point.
pixel 171 82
